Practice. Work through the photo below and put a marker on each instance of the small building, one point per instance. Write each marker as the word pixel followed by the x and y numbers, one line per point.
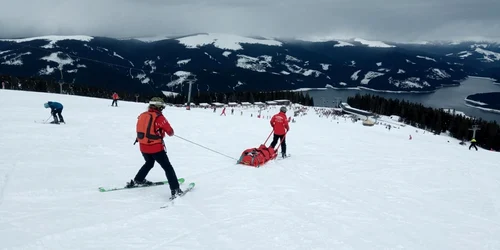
pixel 348 109
pixel 259 103
pixel 218 104
pixel 232 104
pixel 245 104
pixel 204 104
pixel 271 103
pixel 283 102
pixel 395 118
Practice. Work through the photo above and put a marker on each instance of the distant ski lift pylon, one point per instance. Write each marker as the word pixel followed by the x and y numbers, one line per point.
pixel 190 79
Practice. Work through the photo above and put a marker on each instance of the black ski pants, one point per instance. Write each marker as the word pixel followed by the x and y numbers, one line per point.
pixel 162 159
pixel 114 103
pixel 275 141
pixel 57 113
pixel 472 145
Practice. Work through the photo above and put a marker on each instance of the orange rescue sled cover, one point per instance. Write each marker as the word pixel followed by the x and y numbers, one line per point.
pixel 257 157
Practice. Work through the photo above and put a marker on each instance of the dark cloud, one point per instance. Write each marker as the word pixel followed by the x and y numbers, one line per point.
pixel 392 20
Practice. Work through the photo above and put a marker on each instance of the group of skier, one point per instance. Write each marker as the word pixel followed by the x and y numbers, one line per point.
pixel 56 109
pixel 151 129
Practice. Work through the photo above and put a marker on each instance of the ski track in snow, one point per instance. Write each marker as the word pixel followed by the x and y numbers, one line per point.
pixel 346 186
pixel 4 185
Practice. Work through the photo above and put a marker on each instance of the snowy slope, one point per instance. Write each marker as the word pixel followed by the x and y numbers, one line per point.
pixel 345 187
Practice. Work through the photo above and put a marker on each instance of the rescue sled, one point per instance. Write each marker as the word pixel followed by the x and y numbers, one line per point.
pixel 256 157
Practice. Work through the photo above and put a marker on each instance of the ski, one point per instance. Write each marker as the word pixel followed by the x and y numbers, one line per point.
pixel 189 188
pixel 44 122
pixel 158 183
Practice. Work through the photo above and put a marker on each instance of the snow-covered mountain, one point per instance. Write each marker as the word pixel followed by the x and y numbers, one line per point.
pixel 479 55
pixel 222 62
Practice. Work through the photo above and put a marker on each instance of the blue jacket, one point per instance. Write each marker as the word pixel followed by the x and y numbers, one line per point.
pixel 54 105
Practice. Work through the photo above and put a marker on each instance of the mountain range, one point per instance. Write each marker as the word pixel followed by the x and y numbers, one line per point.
pixel 224 62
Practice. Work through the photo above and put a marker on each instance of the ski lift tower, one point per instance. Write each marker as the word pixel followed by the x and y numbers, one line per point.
pixel 474 129
pixel 61 82
pixel 190 81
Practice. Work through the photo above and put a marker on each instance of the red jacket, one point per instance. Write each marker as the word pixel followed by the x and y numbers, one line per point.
pixel 115 96
pixel 162 124
pixel 279 122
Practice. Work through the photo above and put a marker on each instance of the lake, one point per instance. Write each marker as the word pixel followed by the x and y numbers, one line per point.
pixel 447 97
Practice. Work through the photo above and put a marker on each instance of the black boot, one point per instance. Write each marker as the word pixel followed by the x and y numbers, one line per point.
pixel 143 182
pixel 133 183
pixel 130 184
pixel 175 193
pixel 55 121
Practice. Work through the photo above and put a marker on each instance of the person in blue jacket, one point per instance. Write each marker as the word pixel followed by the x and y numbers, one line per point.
pixel 55 109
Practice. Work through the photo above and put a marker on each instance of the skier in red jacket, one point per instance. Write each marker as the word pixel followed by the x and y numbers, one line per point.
pixel 279 122
pixel 115 99
pixel 151 129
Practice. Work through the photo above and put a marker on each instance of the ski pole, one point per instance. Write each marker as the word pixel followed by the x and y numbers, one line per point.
pixel 47 118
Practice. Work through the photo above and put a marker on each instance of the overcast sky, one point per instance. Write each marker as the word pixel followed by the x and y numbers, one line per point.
pixel 389 20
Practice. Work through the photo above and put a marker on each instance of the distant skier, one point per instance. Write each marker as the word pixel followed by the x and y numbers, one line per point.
pixel 223 111
pixel 55 109
pixel 151 129
pixel 115 99
pixel 473 143
pixel 279 122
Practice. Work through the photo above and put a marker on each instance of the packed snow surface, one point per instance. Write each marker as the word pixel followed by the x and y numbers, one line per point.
pixel 346 186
